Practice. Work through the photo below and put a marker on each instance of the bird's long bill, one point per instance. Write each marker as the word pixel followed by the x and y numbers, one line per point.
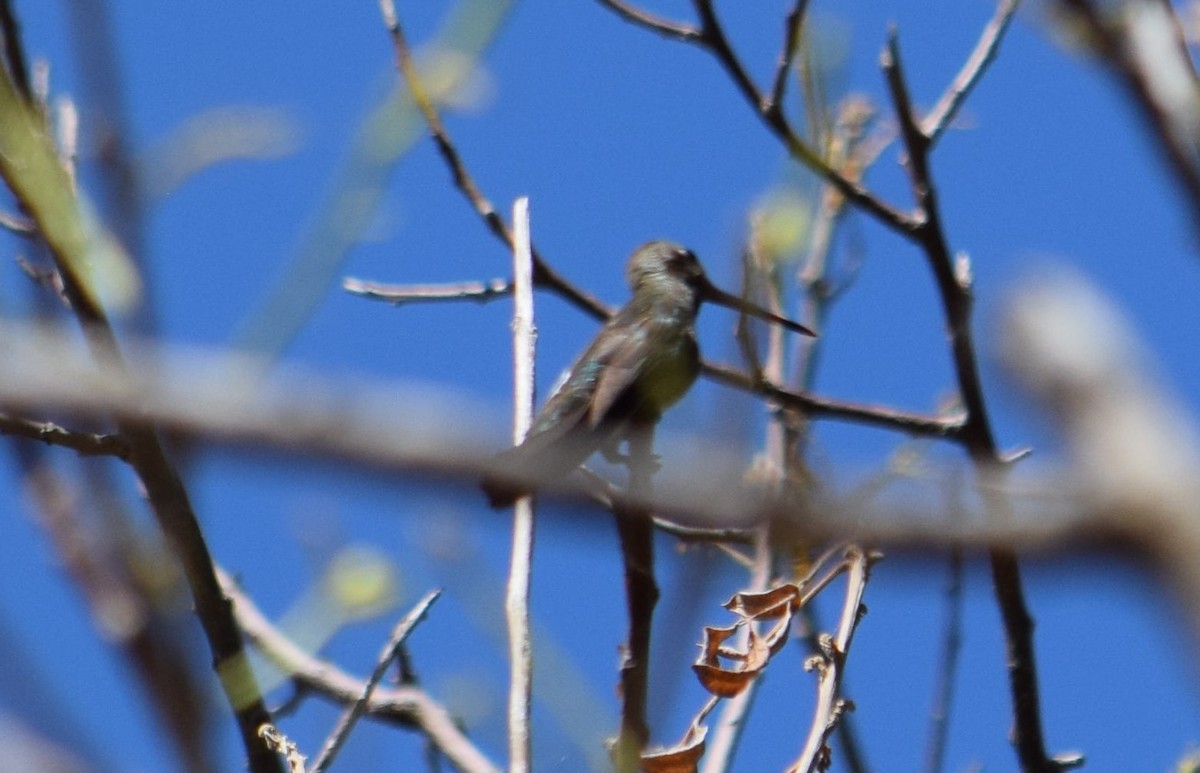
pixel 717 295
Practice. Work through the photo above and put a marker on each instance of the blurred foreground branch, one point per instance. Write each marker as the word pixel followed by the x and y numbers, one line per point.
pixel 1143 45
pixel 224 399
pixel 1135 453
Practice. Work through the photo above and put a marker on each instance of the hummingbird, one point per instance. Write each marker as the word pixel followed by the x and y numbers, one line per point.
pixel 640 363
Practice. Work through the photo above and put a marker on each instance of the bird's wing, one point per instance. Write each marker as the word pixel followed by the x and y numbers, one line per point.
pixel 622 359
pixel 566 413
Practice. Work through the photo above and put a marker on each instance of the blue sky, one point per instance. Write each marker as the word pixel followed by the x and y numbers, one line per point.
pixel 618 137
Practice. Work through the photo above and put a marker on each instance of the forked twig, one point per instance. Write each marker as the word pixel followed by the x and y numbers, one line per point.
pixel 712 38
pixel 953 281
pixel 354 712
pixel 830 665
pixel 406 705
pixel 793 27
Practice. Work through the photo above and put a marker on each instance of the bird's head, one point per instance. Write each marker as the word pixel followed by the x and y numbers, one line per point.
pixel 670 270
pixel 659 263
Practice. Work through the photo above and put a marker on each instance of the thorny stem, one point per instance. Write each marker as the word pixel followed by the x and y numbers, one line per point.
pixel 954 287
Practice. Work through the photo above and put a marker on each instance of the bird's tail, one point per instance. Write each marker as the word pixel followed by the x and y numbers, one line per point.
pixel 538 461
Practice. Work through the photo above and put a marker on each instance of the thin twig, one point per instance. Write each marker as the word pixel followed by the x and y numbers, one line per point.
pixel 943 696
pixel 946 109
pixel 393 127
pixel 712 38
pixel 851 154
pixel 715 41
pixel 792 38
pixel 816 407
pixel 116 185
pixel 406 704
pixel 543 274
pixel 398 294
pixel 516 598
pixel 830 664
pixel 94 540
pixel 355 711
pixel 656 24
pixel 22 226
pixel 952 277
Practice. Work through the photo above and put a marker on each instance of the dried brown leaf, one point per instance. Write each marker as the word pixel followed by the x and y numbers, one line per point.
pixel 710 647
pixel 767 605
pixel 723 682
pixel 681 758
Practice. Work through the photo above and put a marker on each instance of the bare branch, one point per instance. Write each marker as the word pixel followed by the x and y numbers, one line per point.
pixel 946 109
pixel 821 407
pixel 712 38
pixel 354 712
pixel 948 659
pixel 516 598
pixel 543 273
pixel 100 549
pixel 398 294
pixel 792 38
pixel 668 29
pixel 84 443
pixel 952 278
pixel 769 469
pixel 225 399
pixel 405 705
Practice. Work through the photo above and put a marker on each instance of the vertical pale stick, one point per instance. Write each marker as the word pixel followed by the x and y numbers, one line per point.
pixel 516 601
